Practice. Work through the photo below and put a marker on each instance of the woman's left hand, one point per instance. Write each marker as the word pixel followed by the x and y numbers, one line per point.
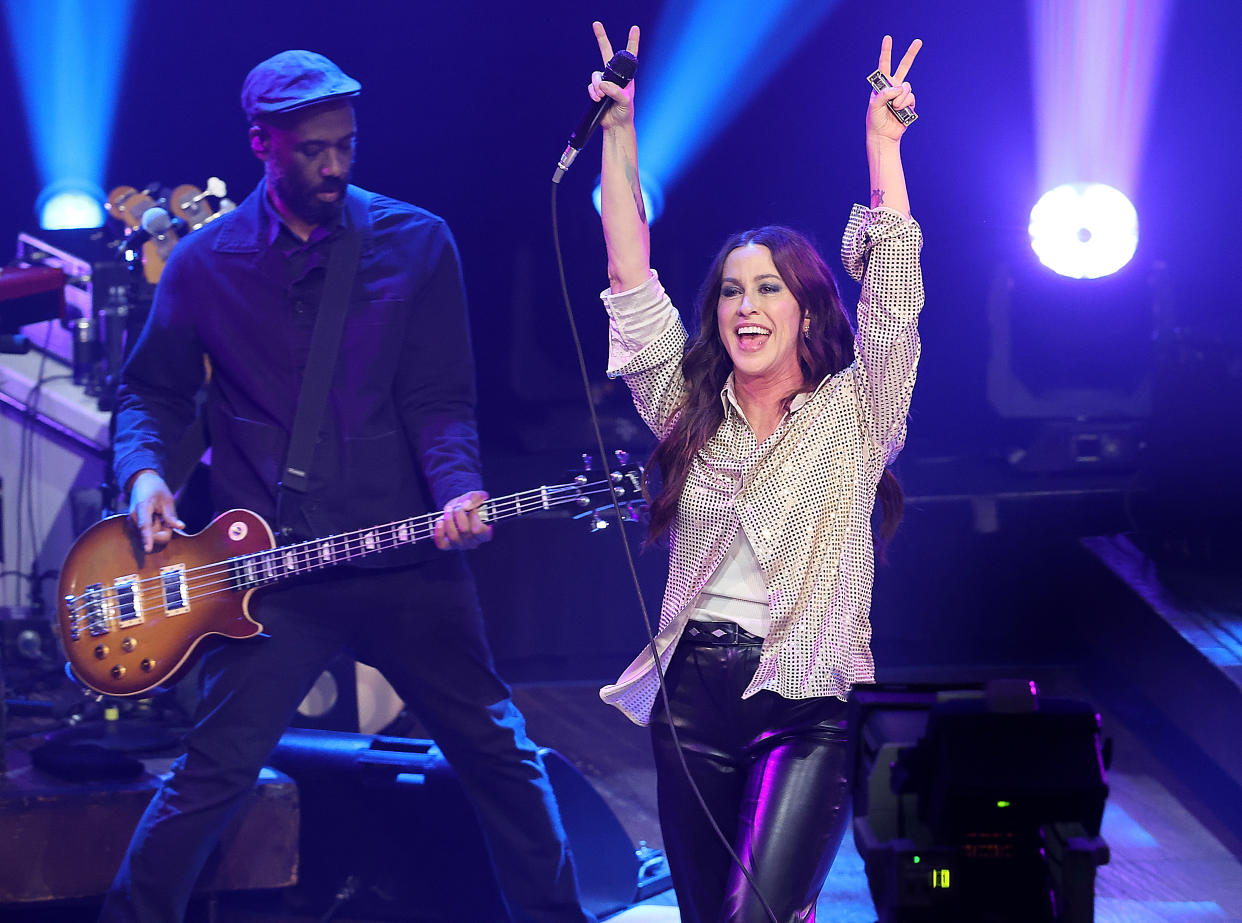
pixel 882 124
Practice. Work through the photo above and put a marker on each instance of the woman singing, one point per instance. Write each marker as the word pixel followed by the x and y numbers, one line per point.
pixel 776 423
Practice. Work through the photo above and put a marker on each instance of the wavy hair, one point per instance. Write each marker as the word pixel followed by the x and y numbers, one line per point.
pixel 826 350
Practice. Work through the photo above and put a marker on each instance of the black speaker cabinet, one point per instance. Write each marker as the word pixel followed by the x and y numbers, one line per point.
pixel 388 833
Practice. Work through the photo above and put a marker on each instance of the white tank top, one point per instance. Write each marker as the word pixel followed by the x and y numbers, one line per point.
pixel 736 591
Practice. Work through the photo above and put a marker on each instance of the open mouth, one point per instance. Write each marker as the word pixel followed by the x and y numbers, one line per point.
pixel 752 336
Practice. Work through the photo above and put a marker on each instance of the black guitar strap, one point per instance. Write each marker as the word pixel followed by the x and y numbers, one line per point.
pixel 324 351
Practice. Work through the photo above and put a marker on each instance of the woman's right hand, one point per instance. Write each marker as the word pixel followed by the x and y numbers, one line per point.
pixel 621 112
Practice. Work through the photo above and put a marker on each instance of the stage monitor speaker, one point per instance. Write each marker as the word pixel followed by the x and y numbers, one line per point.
pixel 388 833
pixel 978 803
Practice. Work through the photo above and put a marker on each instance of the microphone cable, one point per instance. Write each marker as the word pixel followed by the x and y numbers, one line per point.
pixel 629 557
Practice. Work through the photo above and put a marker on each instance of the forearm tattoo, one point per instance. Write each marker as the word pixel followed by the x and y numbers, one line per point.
pixel 631 174
pixel 877 198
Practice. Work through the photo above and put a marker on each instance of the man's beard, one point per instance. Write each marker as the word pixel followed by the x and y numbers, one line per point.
pixel 304 200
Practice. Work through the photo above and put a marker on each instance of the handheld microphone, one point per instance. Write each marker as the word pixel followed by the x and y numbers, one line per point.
pixel 619 70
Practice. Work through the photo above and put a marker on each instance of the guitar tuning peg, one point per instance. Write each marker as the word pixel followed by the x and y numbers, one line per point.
pixel 587 462
pixel 597 524
pixel 631 512
pixel 622 456
pixel 216 187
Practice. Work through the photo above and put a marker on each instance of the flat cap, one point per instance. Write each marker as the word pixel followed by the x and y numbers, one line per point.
pixel 293 80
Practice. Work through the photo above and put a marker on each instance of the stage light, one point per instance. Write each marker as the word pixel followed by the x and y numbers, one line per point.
pixel 653 196
pixel 1093 68
pixel 70 205
pixel 709 57
pixel 68 56
pixel 1083 230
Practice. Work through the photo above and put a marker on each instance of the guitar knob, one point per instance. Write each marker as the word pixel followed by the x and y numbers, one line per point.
pixel 129 644
pixel 101 651
pixel 118 671
pixel 147 665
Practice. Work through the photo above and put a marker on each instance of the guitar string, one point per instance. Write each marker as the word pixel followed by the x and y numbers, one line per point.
pixel 500 507
pixel 351 545
pixel 210 579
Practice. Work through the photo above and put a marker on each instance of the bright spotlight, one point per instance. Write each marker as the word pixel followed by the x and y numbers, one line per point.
pixel 73 207
pixel 1084 230
pixel 68 57
pixel 653 196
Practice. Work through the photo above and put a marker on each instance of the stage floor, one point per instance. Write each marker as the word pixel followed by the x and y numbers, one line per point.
pixel 1166 865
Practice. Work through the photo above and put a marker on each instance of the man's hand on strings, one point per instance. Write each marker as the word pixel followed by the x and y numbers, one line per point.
pixel 461 526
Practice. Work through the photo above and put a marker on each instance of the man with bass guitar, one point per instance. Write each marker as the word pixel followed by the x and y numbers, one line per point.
pixel 311 273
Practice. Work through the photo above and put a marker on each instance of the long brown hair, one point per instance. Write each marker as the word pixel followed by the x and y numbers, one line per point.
pixel 827 349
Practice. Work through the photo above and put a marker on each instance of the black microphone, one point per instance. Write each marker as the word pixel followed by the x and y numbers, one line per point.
pixel 620 70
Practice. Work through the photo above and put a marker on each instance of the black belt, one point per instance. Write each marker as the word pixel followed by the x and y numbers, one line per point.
pixel 719 634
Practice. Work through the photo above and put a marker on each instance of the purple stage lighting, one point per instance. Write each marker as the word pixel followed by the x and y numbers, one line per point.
pixel 1084 230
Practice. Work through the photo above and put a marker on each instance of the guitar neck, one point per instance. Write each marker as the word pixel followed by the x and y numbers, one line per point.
pixel 265 567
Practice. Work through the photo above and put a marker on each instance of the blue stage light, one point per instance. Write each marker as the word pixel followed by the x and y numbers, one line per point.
pixel 68 56
pixel 708 57
pixel 70 205
pixel 653 196
pixel 1084 230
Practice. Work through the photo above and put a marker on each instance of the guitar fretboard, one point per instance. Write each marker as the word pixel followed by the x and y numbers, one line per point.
pixel 264 567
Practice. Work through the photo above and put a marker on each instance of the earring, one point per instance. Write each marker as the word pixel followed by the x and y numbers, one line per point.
pixel 806 328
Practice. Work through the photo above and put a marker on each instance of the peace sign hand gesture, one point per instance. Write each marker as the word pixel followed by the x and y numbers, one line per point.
pixel 621 112
pixel 882 124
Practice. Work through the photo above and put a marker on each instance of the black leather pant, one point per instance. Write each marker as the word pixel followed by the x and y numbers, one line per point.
pixel 774 773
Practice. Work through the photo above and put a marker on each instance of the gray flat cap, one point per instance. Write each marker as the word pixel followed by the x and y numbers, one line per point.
pixel 293 80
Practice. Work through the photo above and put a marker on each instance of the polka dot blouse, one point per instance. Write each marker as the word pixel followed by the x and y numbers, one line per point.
pixel 804 497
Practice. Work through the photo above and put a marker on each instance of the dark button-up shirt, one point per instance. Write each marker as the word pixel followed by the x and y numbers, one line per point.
pixel 398 437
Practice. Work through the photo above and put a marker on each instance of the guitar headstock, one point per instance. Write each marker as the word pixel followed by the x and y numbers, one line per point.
pixel 194 205
pixel 138 210
pixel 626 481
pixel 164 217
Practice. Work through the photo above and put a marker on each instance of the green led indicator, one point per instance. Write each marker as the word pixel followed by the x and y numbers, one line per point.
pixel 1002 804
pixel 917 860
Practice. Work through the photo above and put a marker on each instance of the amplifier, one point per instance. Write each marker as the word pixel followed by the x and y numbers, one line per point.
pixel 95 277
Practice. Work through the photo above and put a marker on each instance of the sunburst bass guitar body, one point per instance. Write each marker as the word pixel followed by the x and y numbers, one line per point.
pixel 130 622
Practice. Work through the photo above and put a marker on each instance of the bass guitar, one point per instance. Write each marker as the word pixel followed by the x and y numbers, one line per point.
pixel 132 622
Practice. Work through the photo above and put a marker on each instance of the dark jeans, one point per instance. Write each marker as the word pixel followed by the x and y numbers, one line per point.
pixel 422 627
pixel 774 774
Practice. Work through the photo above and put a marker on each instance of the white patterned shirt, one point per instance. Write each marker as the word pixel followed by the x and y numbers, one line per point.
pixel 804 497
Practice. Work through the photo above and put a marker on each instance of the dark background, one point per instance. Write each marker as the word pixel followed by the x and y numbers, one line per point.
pixel 466 107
